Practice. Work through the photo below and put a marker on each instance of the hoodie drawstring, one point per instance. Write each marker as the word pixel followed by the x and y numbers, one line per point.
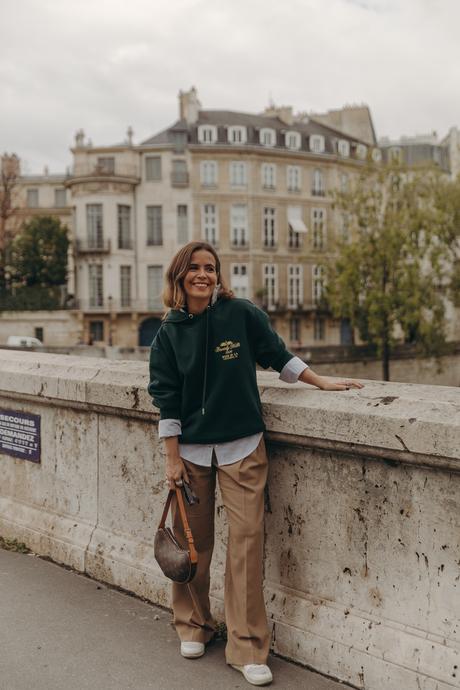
pixel 203 410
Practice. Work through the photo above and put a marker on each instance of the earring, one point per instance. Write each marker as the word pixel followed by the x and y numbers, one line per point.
pixel 215 294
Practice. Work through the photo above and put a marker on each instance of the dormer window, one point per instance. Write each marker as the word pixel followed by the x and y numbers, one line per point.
pixel 361 152
pixel 293 140
pixel 317 143
pixel 267 136
pixel 343 148
pixel 236 135
pixel 207 134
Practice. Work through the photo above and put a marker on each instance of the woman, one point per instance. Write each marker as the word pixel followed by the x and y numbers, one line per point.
pixel 203 379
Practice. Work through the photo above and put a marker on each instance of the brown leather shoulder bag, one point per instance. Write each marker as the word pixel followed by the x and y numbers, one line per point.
pixel 177 563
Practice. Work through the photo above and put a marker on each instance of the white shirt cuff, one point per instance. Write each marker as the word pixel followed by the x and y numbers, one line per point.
pixel 169 427
pixel 291 371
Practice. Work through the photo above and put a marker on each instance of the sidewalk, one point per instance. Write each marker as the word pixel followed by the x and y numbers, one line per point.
pixel 62 630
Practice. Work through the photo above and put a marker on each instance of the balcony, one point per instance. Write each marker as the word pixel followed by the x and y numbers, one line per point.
pixel 92 172
pixel 239 244
pixel 179 178
pixel 115 306
pixel 318 192
pixel 92 246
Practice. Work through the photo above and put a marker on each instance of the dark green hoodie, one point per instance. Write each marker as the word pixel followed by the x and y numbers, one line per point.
pixel 203 369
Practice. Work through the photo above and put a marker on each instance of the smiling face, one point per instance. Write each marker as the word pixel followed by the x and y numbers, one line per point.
pixel 200 280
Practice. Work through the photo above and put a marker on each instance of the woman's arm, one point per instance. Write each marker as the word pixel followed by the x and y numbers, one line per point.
pixel 175 468
pixel 327 384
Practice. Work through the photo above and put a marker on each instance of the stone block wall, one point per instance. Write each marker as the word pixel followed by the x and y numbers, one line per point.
pixel 362 546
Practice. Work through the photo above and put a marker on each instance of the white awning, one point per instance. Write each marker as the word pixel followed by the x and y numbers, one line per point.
pixel 295 219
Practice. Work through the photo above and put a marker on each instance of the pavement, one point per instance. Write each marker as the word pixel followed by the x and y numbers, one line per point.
pixel 60 630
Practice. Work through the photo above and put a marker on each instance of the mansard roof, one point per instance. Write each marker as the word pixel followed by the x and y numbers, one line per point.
pixel 222 119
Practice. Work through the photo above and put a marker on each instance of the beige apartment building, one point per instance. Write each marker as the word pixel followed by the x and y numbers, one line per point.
pixel 256 186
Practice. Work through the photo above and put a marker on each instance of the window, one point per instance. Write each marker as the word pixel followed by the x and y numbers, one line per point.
pixel 208 173
pixel 154 226
pixel 344 182
pixel 295 286
pixel 179 141
pixel 317 143
pixel 297 227
pixel 60 198
pixel 318 219
pixel 395 154
pixel 376 155
pixel 294 330
pixel 318 283
pixel 209 224
pixel 39 333
pixel 179 173
pixel 236 135
pixel 344 227
pixel 238 174
pixel 361 151
pixel 155 287
pixel 124 227
pixel 269 232
pixel 239 225
pixel 125 286
pixel 207 134
pixel 319 328
pixel 293 178
pixel 343 148
pixel 32 198
pixel 152 168
pixel 270 282
pixel 182 224
pixel 96 294
pixel 94 226
pixel 293 140
pixel 106 164
pixel 96 332
pixel 239 280
pixel 268 175
pixel 318 184
pixel 267 136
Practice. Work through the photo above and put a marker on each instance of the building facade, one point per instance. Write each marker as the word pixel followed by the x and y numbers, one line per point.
pixel 256 186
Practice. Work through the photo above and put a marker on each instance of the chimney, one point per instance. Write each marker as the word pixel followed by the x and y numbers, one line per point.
pixel 189 106
pixel 283 112
pixel 129 136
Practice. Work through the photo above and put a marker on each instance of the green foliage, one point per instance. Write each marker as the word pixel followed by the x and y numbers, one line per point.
pixel 39 253
pixel 389 275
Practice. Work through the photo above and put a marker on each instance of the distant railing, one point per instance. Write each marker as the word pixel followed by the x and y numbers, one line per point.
pixel 180 178
pixel 99 246
pixel 126 304
pixel 92 169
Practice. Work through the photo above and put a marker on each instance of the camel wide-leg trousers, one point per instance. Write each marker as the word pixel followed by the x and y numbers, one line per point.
pixel 242 488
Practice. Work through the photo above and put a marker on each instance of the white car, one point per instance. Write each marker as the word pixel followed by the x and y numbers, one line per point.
pixel 23 341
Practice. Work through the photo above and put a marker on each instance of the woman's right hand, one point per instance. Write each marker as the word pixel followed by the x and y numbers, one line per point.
pixel 175 470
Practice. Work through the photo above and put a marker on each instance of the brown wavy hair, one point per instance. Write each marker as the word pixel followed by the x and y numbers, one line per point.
pixel 174 296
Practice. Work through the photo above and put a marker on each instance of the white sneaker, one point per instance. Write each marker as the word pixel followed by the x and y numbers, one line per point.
pixel 192 650
pixel 256 674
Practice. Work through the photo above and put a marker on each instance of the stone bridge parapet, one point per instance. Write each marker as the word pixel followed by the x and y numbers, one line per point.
pixel 362 546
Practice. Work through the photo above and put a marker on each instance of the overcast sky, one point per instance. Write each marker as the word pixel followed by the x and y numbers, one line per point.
pixel 105 64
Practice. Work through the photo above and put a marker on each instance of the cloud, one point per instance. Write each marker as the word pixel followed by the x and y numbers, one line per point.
pixel 104 65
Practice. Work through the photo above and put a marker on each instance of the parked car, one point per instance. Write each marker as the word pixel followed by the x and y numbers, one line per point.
pixel 23 341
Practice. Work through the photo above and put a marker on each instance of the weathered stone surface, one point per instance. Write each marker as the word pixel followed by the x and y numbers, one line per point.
pixel 362 549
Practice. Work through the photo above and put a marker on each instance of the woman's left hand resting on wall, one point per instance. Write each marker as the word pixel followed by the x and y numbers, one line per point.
pixel 328 384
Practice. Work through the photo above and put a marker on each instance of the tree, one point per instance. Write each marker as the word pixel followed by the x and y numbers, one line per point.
pixel 9 174
pixel 39 253
pixel 388 276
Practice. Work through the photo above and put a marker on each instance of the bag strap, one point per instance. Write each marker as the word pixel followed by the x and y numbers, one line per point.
pixel 183 515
